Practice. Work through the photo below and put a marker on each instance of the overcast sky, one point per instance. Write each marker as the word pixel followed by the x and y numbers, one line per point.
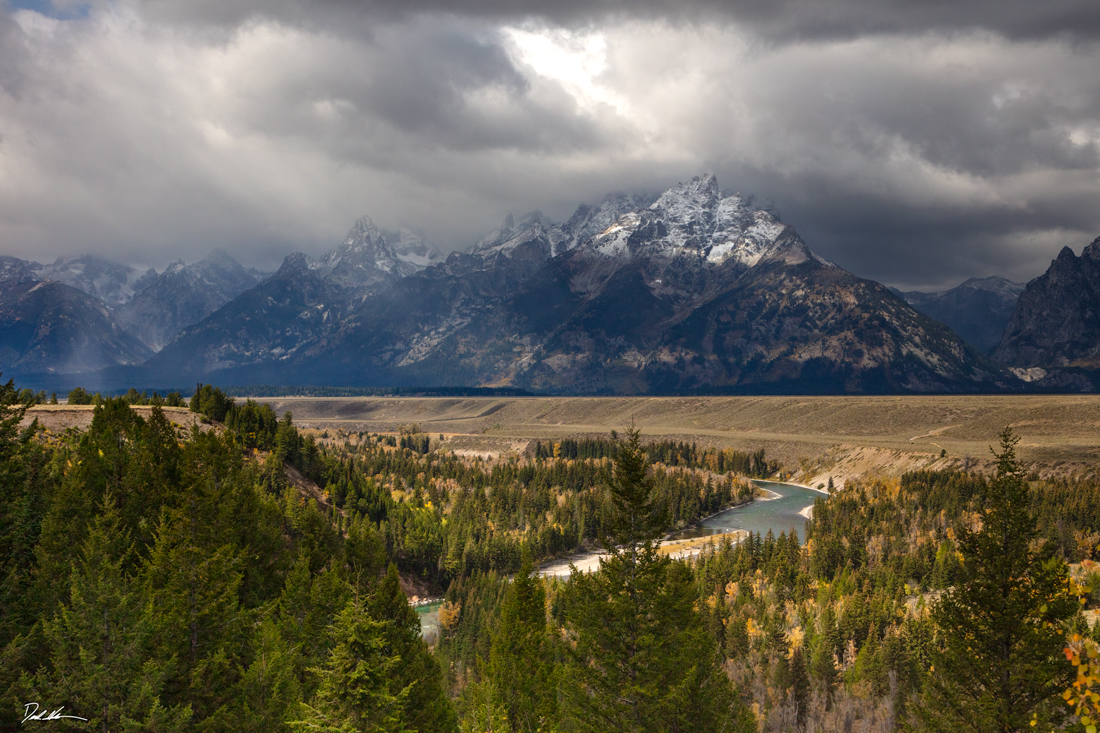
pixel 911 141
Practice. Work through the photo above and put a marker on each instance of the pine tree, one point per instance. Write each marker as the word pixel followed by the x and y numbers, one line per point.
pixel 354 692
pixel 485 711
pixel 98 641
pixel 640 658
pixel 192 589
pixel 999 658
pixel 20 516
pixel 519 662
pixel 270 688
pixel 426 707
pixel 11 413
pixel 800 683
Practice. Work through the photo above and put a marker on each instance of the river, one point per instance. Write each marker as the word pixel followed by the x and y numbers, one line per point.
pixel 429 620
pixel 778 515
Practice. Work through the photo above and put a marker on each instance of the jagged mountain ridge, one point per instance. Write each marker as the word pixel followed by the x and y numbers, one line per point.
pixel 1056 322
pixel 296 306
pixel 130 315
pixel 694 290
pixel 182 295
pixel 979 309
pixel 113 283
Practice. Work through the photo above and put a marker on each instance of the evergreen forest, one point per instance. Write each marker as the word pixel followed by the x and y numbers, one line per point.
pixel 248 575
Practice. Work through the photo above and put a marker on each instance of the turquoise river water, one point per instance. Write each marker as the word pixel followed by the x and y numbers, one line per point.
pixel 778 515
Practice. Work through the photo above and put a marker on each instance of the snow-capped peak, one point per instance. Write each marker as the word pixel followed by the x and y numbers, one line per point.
pixel 592 221
pixel 695 219
pixel 516 230
pixel 689 204
pixel 364 238
pixel 363 259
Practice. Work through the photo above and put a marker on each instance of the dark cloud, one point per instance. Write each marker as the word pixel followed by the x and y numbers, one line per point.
pixel 914 143
pixel 777 19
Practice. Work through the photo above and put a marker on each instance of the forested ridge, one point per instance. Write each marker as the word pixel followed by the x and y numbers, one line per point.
pixel 156 578
pixel 161 579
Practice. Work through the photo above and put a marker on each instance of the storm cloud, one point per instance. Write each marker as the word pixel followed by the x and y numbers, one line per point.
pixel 913 143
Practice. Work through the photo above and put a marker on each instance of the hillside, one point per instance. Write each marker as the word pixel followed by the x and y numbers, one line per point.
pixel 978 310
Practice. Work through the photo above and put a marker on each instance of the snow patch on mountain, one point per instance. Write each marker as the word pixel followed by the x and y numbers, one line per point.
pixel 411 249
pixel 111 282
pixel 517 230
pixel 613 241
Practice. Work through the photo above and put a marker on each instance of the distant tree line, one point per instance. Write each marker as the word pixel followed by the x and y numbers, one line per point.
pixel 79 396
pixel 666 452
pixel 271 390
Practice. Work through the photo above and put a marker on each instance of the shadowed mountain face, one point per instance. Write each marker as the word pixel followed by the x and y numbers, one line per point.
pixel 54 328
pixel 182 295
pixel 693 291
pixel 301 303
pixel 1056 322
pixel 147 310
pixel 978 310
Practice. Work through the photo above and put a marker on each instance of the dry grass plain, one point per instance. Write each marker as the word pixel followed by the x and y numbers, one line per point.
pixel 814 437
pixel 59 418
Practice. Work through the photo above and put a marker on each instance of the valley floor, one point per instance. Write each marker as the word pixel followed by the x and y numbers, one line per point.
pixel 815 438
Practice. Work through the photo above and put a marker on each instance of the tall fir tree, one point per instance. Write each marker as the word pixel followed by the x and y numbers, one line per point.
pixel 192 581
pixel 20 521
pixel 354 692
pixel 426 707
pixel 998 663
pixel 521 657
pixel 99 665
pixel 270 687
pixel 485 710
pixel 640 658
pixel 24 491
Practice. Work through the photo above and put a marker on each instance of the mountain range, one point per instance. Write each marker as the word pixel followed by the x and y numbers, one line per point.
pixel 978 310
pixel 86 313
pixel 693 291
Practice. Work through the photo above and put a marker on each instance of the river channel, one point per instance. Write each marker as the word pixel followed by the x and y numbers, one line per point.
pixel 429 620
pixel 778 515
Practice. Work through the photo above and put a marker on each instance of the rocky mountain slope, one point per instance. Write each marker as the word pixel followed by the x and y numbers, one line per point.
pixel 298 305
pixel 129 315
pixel 978 309
pixel 51 327
pixel 182 295
pixel 693 291
pixel 1056 323
pixel 108 281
